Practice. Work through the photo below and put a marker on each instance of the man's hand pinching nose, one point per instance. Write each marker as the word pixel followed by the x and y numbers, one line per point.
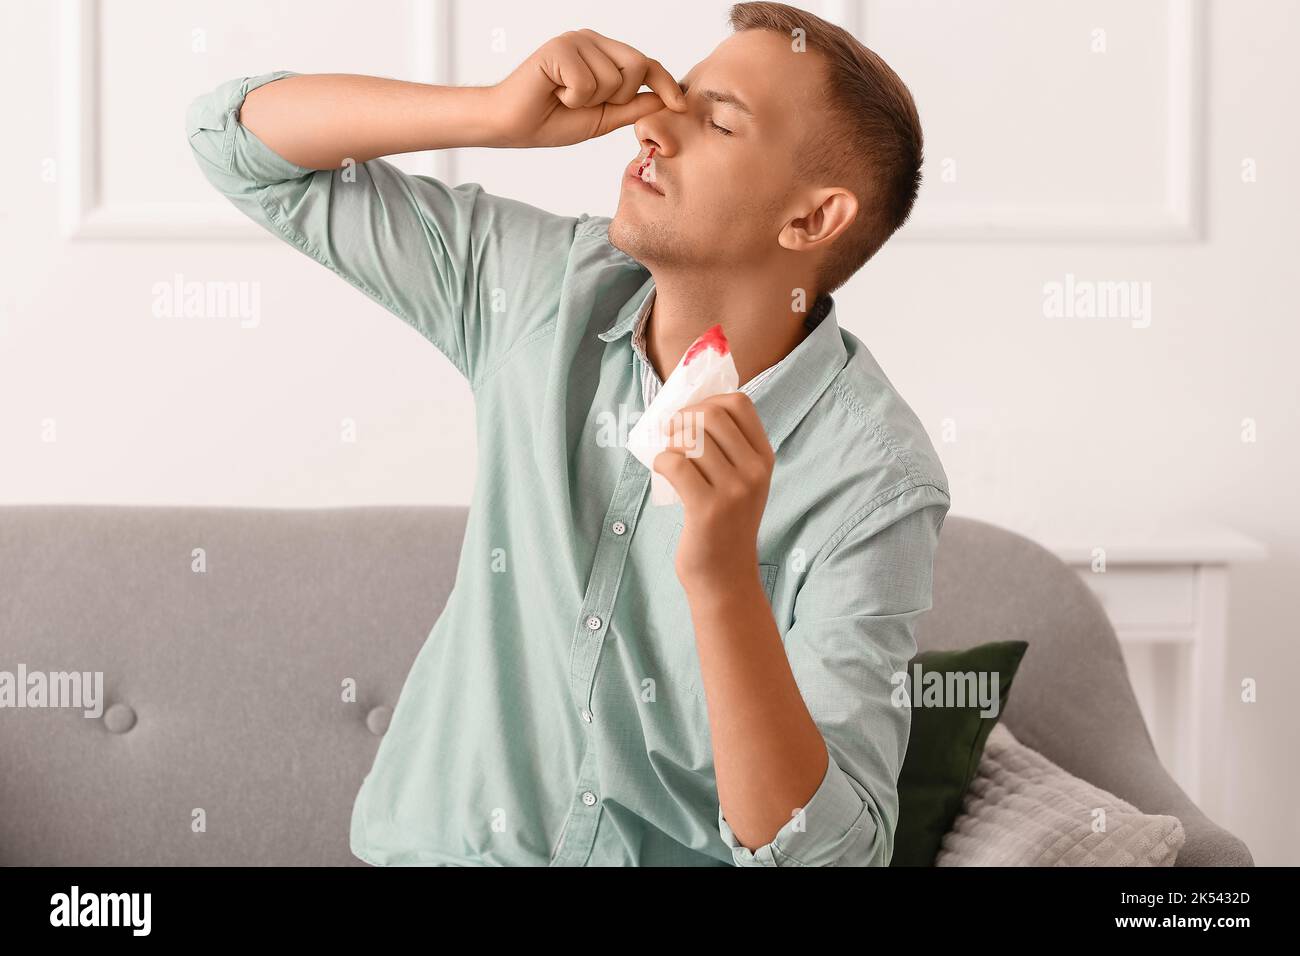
pixel 578 86
pixel 720 463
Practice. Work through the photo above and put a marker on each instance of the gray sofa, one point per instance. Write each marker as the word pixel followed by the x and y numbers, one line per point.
pixel 226 739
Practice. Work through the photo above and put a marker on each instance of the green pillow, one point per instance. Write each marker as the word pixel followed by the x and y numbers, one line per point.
pixel 946 741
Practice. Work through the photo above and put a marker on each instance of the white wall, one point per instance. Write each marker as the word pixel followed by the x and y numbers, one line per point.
pixel 1046 156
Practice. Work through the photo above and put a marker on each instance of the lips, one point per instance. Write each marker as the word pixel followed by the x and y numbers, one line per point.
pixel 641 182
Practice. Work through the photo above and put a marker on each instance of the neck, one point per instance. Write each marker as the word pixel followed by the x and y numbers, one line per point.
pixel 755 317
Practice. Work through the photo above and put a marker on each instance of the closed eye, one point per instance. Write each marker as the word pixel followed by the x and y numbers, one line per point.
pixel 685 87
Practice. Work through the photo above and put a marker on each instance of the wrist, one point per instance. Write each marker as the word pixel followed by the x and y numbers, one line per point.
pixel 487 116
pixel 461 116
pixel 724 588
pixel 490 114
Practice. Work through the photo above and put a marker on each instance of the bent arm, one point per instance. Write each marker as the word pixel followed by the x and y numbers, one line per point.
pixel 471 271
pixel 852 635
pixel 320 120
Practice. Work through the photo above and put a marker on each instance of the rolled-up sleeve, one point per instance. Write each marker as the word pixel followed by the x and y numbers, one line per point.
pixel 474 273
pixel 853 632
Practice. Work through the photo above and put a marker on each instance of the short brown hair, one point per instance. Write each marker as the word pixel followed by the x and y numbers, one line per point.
pixel 873 146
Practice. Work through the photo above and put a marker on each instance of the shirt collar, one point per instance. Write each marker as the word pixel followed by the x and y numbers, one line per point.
pixel 795 384
pixel 627 315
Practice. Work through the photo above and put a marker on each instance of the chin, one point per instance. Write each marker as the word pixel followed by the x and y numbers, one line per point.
pixel 629 236
pixel 622 236
pixel 654 244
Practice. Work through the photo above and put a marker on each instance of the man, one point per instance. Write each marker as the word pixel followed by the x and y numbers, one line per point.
pixel 614 682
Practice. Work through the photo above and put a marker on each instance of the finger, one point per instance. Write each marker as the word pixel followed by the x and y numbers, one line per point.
pixel 745 414
pixel 728 459
pixel 616 116
pixel 662 82
pixel 608 77
pixel 629 61
pixel 682 474
pixel 646 70
pixel 726 434
pixel 633 77
pixel 618 51
pixel 574 77
pixel 692 437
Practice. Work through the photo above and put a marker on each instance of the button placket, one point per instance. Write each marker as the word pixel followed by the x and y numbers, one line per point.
pixel 602 586
pixel 579 832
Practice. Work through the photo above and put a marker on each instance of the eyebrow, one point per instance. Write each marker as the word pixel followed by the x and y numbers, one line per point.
pixel 721 96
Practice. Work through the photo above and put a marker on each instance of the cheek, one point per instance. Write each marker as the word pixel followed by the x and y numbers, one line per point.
pixel 719 191
pixel 723 196
pixel 725 207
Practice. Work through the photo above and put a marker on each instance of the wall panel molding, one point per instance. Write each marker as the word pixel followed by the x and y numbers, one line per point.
pixel 84 213
pixel 1176 214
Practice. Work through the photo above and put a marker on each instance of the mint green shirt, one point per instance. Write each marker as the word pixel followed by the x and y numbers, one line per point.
pixel 555 715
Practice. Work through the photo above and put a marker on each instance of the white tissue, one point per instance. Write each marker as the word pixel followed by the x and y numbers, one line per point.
pixel 707 373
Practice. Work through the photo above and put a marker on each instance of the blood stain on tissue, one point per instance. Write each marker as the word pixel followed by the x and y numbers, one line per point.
pixel 641 169
pixel 711 339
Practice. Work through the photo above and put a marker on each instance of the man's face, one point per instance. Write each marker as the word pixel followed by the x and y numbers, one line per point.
pixel 726 195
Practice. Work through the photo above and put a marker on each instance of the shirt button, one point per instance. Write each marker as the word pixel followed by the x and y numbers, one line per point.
pixel 618 527
pixel 586 715
pixel 588 798
pixel 593 623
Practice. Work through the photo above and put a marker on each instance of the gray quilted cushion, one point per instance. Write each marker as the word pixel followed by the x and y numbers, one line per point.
pixel 1023 810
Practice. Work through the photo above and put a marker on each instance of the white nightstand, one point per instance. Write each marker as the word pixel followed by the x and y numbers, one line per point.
pixel 1166 593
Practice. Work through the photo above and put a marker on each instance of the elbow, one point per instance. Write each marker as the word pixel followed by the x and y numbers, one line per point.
pixel 205 128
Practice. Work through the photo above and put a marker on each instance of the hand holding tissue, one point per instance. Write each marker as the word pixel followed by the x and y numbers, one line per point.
pixel 706 369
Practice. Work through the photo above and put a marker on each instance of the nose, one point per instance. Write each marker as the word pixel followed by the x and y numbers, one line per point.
pixel 656 130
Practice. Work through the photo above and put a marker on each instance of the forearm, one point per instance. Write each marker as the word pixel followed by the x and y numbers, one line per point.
pixel 320 120
pixel 769 755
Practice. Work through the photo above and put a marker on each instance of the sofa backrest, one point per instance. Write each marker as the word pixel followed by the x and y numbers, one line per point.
pixel 229 736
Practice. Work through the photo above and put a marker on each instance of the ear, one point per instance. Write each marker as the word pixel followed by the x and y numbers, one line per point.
pixel 830 212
